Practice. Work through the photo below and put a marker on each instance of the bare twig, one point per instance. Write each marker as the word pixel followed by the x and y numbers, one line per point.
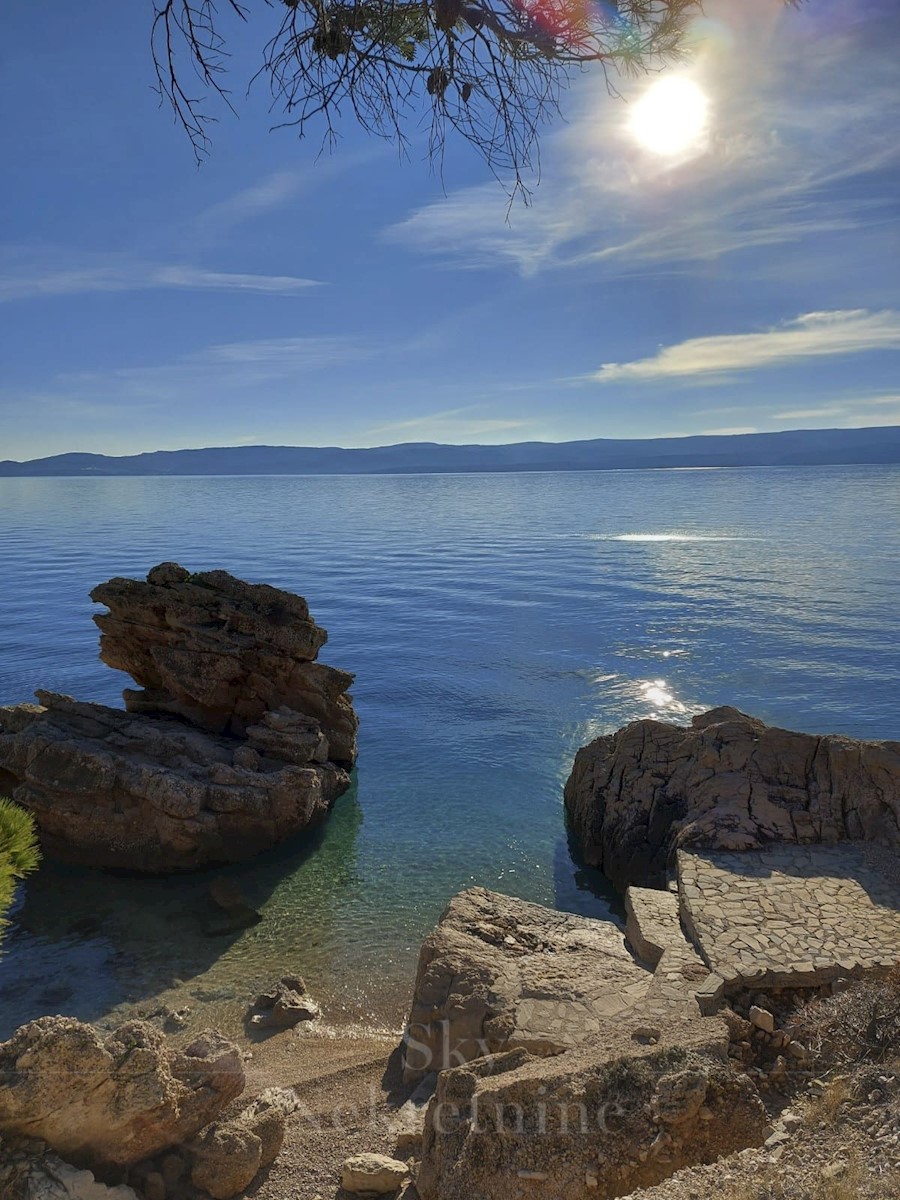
pixel 490 70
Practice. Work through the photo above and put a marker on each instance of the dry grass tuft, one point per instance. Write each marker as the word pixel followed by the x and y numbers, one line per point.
pixel 827 1107
pixel 855 1182
pixel 861 1024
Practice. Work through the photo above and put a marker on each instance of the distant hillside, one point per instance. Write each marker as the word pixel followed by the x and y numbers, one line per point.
pixel 802 447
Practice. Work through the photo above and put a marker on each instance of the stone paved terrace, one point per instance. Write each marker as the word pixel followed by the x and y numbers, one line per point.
pixel 791 915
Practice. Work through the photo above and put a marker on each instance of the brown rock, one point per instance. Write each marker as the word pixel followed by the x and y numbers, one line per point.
pixel 373 1173
pixel 679 1097
pixel 226 1160
pixel 228 1155
pixel 114 1101
pixel 726 782
pixel 238 741
pixel 222 652
pixel 154 1187
pixel 284 1005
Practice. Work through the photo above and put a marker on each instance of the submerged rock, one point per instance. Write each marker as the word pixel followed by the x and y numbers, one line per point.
pixel 237 741
pixel 284 1005
pixel 726 782
pixel 115 1101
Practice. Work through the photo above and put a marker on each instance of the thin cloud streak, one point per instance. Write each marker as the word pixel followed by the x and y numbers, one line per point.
pixel 133 277
pixel 813 335
pixel 452 424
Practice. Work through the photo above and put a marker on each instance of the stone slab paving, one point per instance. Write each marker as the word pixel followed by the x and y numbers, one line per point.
pixel 681 981
pixel 792 915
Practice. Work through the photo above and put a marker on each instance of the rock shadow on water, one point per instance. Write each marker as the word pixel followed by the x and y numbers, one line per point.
pixel 103 946
pixel 580 888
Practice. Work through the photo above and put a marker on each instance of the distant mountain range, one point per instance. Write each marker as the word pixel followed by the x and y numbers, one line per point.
pixel 800 447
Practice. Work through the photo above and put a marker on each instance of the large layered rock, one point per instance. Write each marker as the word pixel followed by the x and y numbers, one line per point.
pixel 222 653
pixel 237 741
pixel 589 1124
pixel 727 782
pixel 112 1102
pixel 499 973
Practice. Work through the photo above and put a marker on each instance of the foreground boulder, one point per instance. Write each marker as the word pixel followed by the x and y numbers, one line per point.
pixel 373 1174
pixel 229 1154
pixel 112 1102
pixel 589 1124
pixel 499 973
pixel 237 741
pixel 726 782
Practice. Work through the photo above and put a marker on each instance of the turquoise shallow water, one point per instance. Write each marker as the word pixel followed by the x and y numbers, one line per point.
pixel 495 623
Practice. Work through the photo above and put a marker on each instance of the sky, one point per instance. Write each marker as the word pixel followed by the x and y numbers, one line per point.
pixel 282 294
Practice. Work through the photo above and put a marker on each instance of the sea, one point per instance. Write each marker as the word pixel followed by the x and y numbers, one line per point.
pixel 495 623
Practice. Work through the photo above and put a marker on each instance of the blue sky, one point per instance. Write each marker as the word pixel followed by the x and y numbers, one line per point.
pixel 279 295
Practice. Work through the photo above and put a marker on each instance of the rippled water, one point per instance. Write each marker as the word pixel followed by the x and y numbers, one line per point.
pixel 495 623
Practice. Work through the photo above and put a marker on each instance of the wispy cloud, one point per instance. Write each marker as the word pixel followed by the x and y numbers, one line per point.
pixel 30 281
pixel 273 192
pixel 855 409
pixel 799 126
pixel 234 372
pixel 265 196
pixel 227 367
pixel 814 335
pixel 451 425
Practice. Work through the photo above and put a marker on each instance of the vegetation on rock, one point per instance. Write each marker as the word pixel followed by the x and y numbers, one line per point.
pixel 19 853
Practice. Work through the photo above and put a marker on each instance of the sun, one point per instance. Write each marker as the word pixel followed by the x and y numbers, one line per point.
pixel 671 117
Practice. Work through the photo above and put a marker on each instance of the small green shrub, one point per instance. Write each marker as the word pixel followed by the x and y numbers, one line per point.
pixel 19 853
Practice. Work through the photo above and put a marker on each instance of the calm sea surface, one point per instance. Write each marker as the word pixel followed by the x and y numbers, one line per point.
pixel 495 623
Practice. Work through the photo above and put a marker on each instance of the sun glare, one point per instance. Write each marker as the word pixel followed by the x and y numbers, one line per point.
pixel 671 117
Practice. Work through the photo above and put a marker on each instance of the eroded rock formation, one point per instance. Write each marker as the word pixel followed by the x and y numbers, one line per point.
pixel 226 654
pixel 111 1102
pixel 238 740
pixel 726 782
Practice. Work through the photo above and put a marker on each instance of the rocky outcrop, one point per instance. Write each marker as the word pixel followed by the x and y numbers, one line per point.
pixel 498 973
pixel 589 1124
pixel 112 1102
pixel 726 782
pixel 223 654
pixel 237 741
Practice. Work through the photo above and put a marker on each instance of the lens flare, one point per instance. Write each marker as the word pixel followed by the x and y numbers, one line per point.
pixel 672 117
